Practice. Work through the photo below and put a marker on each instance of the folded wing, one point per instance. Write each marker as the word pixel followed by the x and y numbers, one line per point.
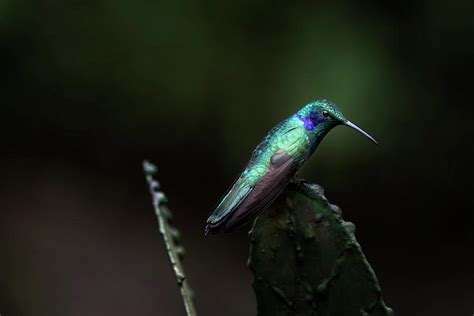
pixel 243 202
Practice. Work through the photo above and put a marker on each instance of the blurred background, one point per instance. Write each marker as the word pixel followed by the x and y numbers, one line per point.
pixel 91 88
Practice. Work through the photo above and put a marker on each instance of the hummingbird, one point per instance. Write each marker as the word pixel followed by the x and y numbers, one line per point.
pixel 274 162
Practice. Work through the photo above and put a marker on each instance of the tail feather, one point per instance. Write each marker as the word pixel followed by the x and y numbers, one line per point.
pixel 229 203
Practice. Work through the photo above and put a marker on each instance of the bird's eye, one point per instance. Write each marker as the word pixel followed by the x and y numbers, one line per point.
pixel 325 113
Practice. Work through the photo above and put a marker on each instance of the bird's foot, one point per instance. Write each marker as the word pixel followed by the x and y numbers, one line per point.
pixel 296 179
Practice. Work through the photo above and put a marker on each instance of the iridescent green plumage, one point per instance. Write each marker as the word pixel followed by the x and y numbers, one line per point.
pixel 275 160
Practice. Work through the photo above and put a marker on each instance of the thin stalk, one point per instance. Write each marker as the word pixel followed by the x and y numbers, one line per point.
pixel 170 237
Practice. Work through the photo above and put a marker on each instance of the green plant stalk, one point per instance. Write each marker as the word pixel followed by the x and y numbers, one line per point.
pixel 306 261
pixel 170 237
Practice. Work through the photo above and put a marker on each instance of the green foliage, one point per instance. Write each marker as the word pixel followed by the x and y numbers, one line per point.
pixel 306 260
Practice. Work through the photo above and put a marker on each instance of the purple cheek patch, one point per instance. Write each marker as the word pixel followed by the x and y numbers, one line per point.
pixel 308 123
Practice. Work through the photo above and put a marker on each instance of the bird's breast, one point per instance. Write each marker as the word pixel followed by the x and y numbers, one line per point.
pixel 295 142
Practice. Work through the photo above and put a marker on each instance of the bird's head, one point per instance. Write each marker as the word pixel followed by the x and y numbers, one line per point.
pixel 323 115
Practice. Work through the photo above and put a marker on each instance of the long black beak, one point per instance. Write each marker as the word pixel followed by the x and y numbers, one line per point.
pixel 360 130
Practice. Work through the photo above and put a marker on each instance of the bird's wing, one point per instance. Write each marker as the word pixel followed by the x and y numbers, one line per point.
pixel 243 202
pixel 231 200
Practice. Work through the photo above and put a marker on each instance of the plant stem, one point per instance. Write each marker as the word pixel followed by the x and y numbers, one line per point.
pixel 306 260
pixel 170 237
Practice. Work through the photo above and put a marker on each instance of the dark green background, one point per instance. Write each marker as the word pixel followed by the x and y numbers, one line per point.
pixel 90 88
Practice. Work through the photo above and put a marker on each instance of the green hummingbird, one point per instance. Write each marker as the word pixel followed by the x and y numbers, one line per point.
pixel 274 162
